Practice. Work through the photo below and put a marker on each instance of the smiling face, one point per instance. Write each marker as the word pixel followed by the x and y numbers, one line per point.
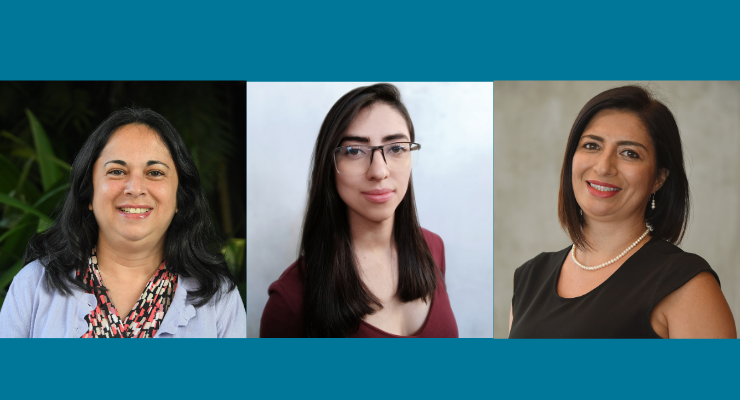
pixel 614 167
pixel 374 195
pixel 134 188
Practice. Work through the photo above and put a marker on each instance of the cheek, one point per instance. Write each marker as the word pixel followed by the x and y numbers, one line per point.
pixel 104 192
pixel 344 187
pixel 402 185
pixel 640 178
pixel 165 195
pixel 578 166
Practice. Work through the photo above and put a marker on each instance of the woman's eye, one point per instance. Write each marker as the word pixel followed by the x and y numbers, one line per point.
pixel 116 172
pixel 156 173
pixel 354 151
pixel 397 149
pixel 591 146
pixel 631 154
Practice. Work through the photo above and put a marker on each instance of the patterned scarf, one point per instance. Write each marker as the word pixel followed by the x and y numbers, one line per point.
pixel 145 317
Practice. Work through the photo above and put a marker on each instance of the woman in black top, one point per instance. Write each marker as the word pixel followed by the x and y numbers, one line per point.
pixel 624 202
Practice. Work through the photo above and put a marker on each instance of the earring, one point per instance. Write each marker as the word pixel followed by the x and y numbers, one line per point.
pixel 653 200
pixel 581 211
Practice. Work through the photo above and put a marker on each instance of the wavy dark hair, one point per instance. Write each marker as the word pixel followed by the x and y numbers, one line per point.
pixel 671 217
pixel 335 298
pixel 191 246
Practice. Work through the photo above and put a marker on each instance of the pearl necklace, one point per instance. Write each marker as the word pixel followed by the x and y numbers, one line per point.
pixel 613 260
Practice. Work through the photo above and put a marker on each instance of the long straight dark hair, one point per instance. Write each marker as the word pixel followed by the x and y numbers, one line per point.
pixel 191 247
pixel 335 298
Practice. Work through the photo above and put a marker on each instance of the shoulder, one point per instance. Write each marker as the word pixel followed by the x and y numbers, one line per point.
pixel 283 313
pixel 223 316
pixel 697 309
pixel 289 286
pixel 290 280
pixel 676 266
pixel 436 247
pixel 543 261
pixel 22 301
pixel 30 276
pixel 433 240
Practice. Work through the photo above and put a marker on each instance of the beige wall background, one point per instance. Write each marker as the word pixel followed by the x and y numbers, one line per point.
pixel 531 123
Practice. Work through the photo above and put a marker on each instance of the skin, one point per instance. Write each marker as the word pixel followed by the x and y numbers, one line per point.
pixel 372 223
pixel 129 251
pixel 615 148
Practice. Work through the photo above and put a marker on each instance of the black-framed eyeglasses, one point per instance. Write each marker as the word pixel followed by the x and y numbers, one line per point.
pixel 356 159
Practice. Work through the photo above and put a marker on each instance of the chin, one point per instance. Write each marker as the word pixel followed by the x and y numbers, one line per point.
pixel 376 216
pixel 135 236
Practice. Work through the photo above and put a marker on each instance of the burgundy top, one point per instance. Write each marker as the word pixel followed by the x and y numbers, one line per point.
pixel 283 314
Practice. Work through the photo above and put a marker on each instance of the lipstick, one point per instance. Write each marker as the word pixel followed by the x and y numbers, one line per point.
pixel 378 195
pixel 602 189
pixel 135 212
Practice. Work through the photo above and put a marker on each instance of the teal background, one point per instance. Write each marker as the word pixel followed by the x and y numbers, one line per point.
pixel 378 41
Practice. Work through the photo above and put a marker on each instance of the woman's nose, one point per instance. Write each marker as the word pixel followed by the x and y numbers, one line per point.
pixel 136 185
pixel 606 164
pixel 378 168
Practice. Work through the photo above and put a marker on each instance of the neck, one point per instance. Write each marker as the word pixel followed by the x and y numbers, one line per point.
pixel 612 237
pixel 370 236
pixel 129 260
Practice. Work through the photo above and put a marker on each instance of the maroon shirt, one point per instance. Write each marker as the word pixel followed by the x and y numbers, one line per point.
pixel 283 314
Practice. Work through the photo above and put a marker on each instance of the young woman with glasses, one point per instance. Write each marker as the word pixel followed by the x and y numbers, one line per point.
pixel 366 267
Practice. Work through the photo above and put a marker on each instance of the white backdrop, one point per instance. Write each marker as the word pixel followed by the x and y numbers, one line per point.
pixel 453 183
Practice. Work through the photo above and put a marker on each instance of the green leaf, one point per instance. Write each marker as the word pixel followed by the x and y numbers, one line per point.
pixel 234 252
pixel 10 273
pixel 13 231
pixel 9 177
pixel 4 198
pixel 50 194
pixel 24 174
pixel 13 138
pixel 60 163
pixel 50 172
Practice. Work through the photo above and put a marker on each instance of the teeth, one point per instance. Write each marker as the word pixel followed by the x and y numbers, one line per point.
pixel 129 210
pixel 603 188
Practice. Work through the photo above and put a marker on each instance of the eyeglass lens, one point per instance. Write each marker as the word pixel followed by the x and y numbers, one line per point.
pixel 355 160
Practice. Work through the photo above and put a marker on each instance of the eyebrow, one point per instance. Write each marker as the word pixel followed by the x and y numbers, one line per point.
pixel 148 163
pixel 620 143
pixel 363 139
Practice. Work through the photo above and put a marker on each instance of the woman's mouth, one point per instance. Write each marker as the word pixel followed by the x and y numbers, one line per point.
pixel 602 189
pixel 135 212
pixel 379 195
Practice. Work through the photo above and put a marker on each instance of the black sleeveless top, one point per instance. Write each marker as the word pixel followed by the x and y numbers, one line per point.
pixel 618 308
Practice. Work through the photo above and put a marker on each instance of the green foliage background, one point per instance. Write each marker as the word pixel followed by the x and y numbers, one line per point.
pixel 44 124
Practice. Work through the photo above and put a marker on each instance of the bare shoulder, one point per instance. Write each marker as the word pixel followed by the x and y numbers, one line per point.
pixel 698 309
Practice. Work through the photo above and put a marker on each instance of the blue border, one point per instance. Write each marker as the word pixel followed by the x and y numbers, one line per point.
pixel 377 41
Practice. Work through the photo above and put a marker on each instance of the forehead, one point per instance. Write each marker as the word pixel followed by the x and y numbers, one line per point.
pixel 135 142
pixel 618 125
pixel 377 120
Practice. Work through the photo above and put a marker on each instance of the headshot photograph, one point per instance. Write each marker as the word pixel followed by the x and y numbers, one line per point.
pixel 369 209
pixel 122 210
pixel 616 207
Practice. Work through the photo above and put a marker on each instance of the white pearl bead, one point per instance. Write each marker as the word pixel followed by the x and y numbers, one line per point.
pixel 613 260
